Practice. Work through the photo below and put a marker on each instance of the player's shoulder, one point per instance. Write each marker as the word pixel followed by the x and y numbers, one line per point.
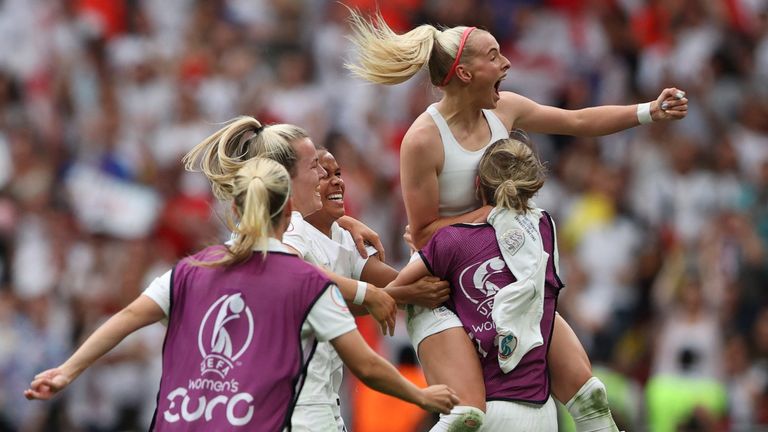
pixel 297 226
pixel 422 135
pixel 299 269
pixel 458 232
pixel 510 106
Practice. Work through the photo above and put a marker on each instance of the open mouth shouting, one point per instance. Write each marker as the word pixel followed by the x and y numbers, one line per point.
pixel 497 85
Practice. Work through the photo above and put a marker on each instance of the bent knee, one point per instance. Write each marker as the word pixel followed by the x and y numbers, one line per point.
pixel 592 398
pixel 463 419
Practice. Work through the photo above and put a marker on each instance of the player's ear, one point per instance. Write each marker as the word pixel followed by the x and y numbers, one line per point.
pixel 463 73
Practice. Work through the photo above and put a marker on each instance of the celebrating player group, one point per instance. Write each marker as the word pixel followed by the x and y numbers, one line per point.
pixel 259 327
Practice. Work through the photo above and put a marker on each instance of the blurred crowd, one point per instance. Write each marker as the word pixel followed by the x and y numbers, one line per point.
pixel 663 229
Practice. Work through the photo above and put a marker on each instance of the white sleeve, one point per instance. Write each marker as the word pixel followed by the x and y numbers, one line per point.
pixel 296 237
pixel 329 318
pixel 556 258
pixel 358 262
pixel 160 291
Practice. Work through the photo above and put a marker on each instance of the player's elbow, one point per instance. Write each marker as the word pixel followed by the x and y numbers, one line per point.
pixel 420 237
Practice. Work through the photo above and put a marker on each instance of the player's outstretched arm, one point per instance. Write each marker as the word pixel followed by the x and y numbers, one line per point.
pixel 141 312
pixel 523 113
pixel 381 376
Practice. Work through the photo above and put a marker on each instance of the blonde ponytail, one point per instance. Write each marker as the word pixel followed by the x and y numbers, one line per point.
pixel 390 58
pixel 510 175
pixel 220 156
pixel 261 189
pixel 506 195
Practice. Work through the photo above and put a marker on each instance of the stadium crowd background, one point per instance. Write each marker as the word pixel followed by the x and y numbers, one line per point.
pixel 663 229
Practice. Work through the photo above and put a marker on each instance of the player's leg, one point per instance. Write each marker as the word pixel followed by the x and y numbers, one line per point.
pixel 573 384
pixel 448 357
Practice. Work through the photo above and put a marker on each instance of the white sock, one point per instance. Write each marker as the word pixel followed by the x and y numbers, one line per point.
pixel 589 408
pixel 462 418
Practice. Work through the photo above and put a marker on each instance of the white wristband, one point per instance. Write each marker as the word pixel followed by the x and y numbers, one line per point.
pixel 362 287
pixel 644 113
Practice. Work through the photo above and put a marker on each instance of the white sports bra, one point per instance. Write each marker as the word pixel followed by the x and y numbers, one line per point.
pixel 457 179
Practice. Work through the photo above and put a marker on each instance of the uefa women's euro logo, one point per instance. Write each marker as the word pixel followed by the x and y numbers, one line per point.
pixel 225 333
pixel 481 281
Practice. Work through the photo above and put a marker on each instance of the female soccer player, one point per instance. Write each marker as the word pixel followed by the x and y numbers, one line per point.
pixel 218 157
pixel 504 276
pixel 427 292
pixel 438 157
pixel 246 364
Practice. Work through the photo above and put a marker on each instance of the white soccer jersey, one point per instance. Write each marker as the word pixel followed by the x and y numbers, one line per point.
pixel 338 254
pixel 315 247
pixel 344 238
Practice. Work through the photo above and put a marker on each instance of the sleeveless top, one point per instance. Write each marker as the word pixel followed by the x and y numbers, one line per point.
pixel 468 256
pixel 233 354
pixel 457 179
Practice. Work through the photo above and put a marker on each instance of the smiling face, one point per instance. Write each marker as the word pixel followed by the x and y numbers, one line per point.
pixel 305 181
pixel 487 68
pixel 331 186
pixel 331 192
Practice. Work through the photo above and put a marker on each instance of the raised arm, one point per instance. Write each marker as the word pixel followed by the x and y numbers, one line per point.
pixel 526 114
pixel 421 158
pixel 141 312
pixel 381 376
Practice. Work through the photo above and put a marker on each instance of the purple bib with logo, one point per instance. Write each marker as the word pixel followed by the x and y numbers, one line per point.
pixel 233 357
pixel 468 256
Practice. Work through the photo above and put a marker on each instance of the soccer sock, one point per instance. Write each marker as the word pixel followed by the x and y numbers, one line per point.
pixel 589 408
pixel 462 418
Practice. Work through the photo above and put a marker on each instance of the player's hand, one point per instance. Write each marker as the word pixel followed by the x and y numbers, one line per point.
pixel 46 384
pixel 438 398
pixel 382 308
pixel 429 292
pixel 362 235
pixel 670 105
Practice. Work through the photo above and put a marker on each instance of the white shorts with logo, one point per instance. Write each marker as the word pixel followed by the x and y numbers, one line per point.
pixel 526 417
pixel 424 322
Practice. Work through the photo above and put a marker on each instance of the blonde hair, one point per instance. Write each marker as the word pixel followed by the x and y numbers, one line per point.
pixel 260 188
pixel 510 174
pixel 220 156
pixel 390 58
